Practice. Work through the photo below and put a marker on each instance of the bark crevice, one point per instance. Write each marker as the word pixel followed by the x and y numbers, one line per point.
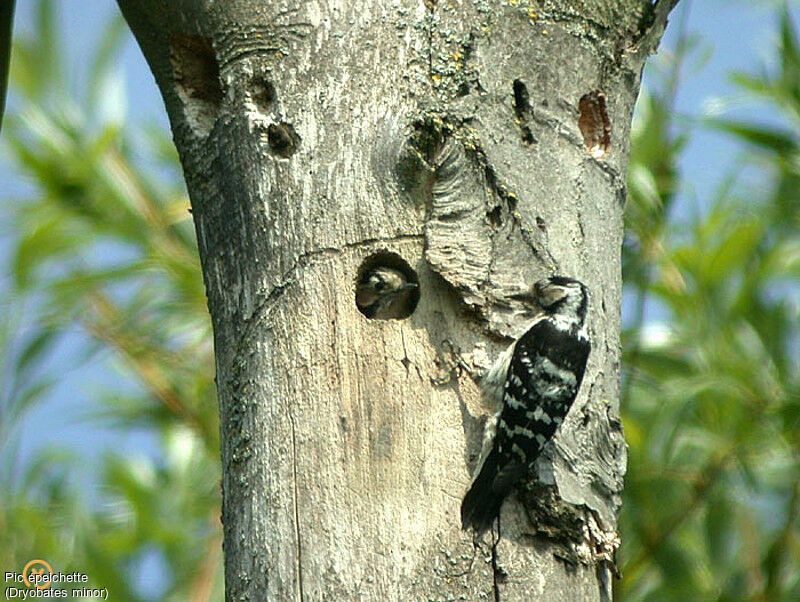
pixel 496 570
pixel 297 526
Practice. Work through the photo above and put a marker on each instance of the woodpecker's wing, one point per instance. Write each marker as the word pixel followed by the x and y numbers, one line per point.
pixel 543 379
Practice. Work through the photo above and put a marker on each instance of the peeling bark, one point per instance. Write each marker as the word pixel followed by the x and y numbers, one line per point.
pixel 315 138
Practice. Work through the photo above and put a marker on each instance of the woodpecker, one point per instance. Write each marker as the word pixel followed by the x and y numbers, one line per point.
pixel 385 293
pixel 536 379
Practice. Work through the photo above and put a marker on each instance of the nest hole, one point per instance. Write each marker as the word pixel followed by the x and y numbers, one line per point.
pixel 263 92
pixel 282 139
pixel 386 287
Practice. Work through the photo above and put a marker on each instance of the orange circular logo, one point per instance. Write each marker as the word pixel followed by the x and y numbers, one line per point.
pixel 36 568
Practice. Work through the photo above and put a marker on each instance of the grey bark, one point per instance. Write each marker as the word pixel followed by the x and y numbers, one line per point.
pixel 315 135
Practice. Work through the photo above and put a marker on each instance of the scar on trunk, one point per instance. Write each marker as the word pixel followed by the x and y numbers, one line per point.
pixel 594 125
pixel 196 74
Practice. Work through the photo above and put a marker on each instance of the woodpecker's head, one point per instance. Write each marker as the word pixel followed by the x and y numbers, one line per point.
pixel 384 293
pixel 558 295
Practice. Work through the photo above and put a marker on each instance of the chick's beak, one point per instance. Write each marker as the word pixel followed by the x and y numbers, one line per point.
pixel 408 286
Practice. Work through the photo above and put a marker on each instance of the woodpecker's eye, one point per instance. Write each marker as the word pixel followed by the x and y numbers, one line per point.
pixel 380 285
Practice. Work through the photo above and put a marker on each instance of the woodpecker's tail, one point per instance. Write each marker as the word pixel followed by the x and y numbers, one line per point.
pixel 482 503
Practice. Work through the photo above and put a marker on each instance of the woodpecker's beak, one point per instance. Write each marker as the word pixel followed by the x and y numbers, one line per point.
pixel 528 298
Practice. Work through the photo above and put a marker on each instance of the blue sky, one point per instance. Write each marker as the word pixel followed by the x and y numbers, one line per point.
pixel 739 34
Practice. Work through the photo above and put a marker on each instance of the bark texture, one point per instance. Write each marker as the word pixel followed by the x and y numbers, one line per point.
pixel 483 146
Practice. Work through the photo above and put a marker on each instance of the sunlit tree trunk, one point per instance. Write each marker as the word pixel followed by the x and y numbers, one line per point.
pixel 478 146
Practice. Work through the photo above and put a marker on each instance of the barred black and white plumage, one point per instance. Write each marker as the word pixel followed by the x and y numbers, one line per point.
pixel 538 377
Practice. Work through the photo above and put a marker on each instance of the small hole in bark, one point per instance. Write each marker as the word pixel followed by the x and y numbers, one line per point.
pixel 540 223
pixel 527 135
pixel 463 90
pixel 418 165
pixel 196 74
pixel 429 137
pixel 387 288
pixel 511 199
pixel 283 140
pixel 263 94
pixel 522 100
pixel 594 125
pixel 522 107
pixel 495 217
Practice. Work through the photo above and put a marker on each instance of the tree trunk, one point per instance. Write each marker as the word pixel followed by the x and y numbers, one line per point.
pixel 475 145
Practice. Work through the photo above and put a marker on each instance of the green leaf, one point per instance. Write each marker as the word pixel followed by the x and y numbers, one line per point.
pixel 782 142
pixel 790 55
pixel 36 347
pixel 30 395
pixel 45 241
pixel 757 85
pixel 49 66
pixel 732 251
pixel 719 534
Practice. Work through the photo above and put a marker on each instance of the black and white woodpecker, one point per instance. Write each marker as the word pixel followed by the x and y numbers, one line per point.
pixel 384 294
pixel 537 378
